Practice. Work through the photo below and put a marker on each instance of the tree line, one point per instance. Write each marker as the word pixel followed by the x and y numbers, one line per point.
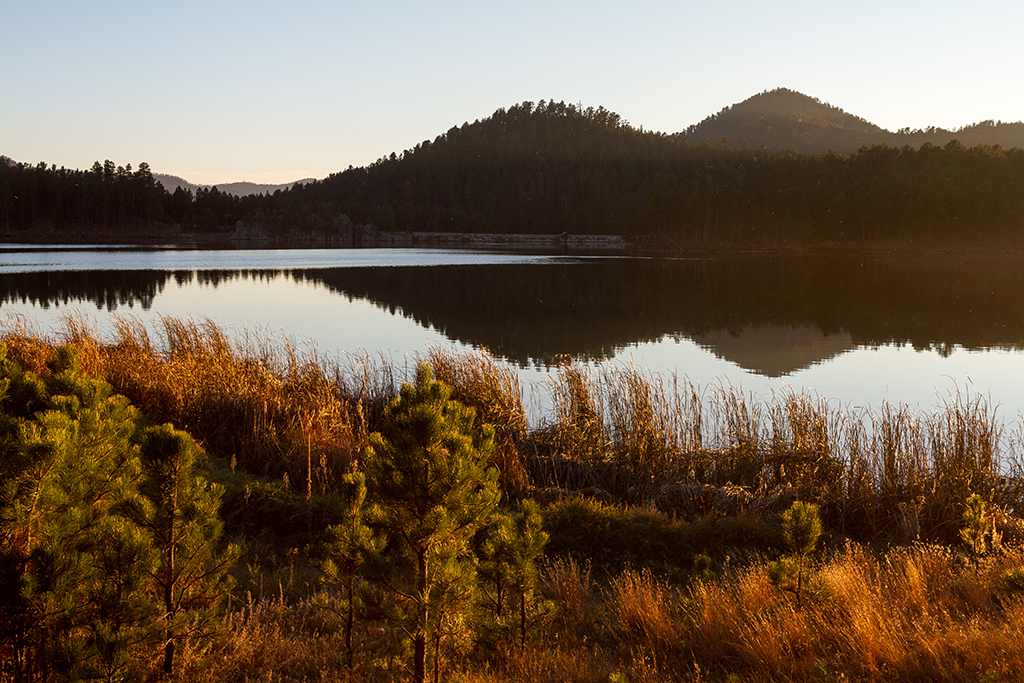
pixel 106 200
pixel 552 167
pixel 557 169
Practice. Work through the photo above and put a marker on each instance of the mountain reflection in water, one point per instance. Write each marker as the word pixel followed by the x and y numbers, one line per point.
pixel 772 316
pixel 775 351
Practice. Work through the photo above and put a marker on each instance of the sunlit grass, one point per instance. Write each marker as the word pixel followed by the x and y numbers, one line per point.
pixel 277 410
pixel 918 613
pixel 662 502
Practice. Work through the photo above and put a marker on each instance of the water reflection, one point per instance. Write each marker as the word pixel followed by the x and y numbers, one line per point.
pixel 776 351
pixel 772 316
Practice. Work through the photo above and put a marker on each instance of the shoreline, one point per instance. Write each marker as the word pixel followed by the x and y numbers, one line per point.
pixel 642 245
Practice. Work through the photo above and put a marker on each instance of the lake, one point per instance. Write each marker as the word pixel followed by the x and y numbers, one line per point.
pixel 856 330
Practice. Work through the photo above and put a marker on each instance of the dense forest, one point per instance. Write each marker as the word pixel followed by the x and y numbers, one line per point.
pixel 106 200
pixel 552 167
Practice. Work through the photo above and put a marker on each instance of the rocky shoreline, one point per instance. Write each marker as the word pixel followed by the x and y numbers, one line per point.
pixel 313 232
pixel 342 232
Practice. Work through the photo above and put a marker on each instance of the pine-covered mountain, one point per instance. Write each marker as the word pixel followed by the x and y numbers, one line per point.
pixel 552 167
pixel 240 189
pixel 557 168
pixel 546 167
pixel 783 119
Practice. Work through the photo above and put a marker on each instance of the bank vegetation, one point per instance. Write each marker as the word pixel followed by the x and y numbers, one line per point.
pixel 662 531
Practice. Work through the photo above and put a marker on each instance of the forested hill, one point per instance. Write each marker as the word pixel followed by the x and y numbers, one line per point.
pixel 1006 135
pixel 545 167
pixel 782 119
pixel 551 167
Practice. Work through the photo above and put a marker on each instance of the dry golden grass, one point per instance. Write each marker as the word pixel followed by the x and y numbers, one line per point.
pixel 479 380
pixel 570 585
pixel 578 429
pixel 268 640
pixel 918 613
pixel 891 471
pixel 544 664
pixel 262 404
pixel 278 410
pixel 642 611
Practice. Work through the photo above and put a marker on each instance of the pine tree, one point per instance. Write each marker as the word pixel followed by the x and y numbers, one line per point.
pixel 191 576
pixel 801 528
pixel 978 524
pixel 426 471
pixel 508 565
pixel 76 567
pixel 83 549
pixel 342 555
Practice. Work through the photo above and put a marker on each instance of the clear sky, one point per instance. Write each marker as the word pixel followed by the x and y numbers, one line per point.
pixel 276 91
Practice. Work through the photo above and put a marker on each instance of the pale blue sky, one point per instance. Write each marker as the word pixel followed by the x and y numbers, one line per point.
pixel 272 92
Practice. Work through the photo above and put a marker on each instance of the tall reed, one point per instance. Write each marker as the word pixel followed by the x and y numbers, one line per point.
pixel 263 403
pixel 619 431
pixel 916 613
pixel 892 471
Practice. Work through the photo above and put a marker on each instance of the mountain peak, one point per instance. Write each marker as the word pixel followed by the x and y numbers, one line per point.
pixel 783 102
pixel 785 119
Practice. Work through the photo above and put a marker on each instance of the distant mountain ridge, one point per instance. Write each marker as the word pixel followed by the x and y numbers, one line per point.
pixel 239 189
pixel 779 119
pixel 783 119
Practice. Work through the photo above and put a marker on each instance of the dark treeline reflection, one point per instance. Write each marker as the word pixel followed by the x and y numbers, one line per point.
pixel 538 312
pixel 109 290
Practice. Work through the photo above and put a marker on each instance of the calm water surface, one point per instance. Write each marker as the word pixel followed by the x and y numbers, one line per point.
pixel 853 330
